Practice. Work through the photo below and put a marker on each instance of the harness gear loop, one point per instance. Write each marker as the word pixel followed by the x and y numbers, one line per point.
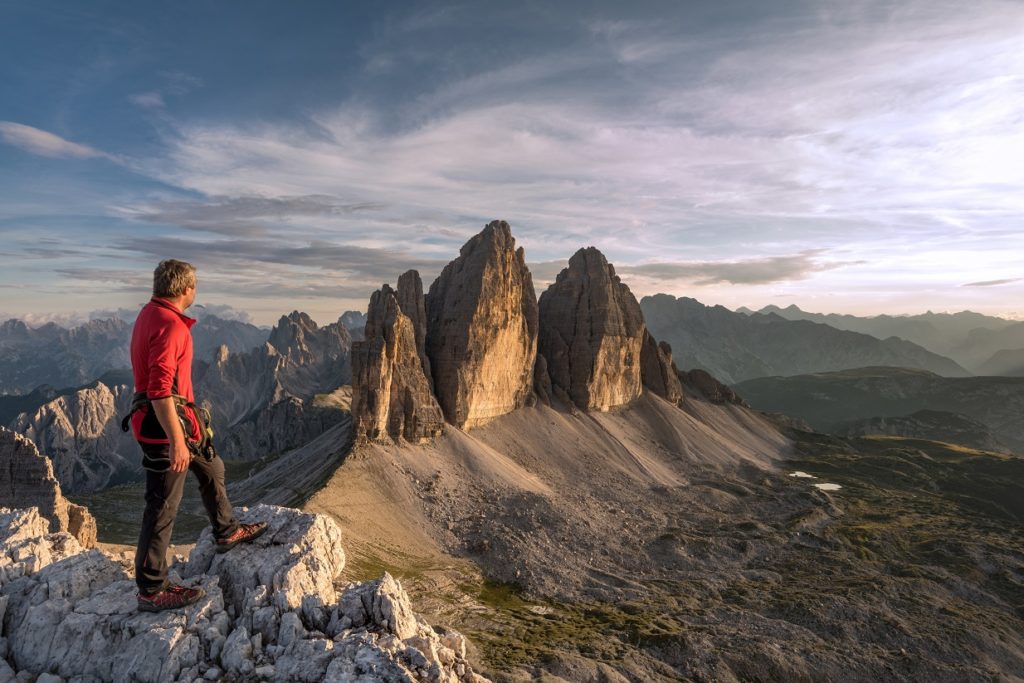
pixel 200 448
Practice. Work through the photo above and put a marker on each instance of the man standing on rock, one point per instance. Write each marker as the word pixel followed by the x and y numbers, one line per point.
pixel 165 422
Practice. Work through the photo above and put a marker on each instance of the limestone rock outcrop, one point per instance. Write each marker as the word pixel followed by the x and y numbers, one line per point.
pixel 413 305
pixel 81 434
pixel 710 388
pixel 316 359
pixel 659 371
pixel 481 335
pixel 391 390
pixel 26 480
pixel 591 334
pixel 254 414
pixel 271 612
pixel 354 322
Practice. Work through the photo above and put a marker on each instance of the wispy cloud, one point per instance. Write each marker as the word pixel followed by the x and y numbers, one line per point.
pixel 744 272
pixel 44 143
pixel 992 283
pixel 148 100
pixel 243 216
pixel 751 156
pixel 794 137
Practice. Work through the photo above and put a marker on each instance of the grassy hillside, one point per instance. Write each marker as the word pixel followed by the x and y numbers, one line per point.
pixel 825 400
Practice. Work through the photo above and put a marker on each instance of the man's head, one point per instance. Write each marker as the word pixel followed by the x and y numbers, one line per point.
pixel 175 281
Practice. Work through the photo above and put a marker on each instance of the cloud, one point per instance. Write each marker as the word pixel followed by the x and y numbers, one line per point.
pixel 243 216
pixel 757 271
pixel 222 311
pixel 174 83
pixel 321 255
pixel 148 100
pixel 796 136
pixel 43 143
pixel 992 283
pixel 131 278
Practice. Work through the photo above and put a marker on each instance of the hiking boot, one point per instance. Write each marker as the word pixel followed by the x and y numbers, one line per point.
pixel 172 597
pixel 243 534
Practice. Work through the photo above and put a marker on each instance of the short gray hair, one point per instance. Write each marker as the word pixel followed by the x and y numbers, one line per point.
pixel 171 278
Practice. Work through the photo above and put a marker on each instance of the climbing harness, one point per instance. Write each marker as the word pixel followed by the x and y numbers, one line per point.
pixel 199 448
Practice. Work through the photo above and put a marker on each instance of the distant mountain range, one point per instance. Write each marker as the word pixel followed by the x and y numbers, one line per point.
pixel 60 357
pixel 971 339
pixel 735 346
pixel 830 401
pixel 264 389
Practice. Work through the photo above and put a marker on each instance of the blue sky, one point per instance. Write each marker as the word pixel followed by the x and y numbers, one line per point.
pixel 859 157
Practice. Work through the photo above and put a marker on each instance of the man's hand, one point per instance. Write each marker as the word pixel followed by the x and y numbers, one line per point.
pixel 180 455
pixel 167 416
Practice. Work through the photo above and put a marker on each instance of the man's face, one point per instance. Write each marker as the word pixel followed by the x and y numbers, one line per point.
pixel 190 294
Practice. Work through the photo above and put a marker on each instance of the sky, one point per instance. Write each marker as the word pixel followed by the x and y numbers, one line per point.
pixel 849 157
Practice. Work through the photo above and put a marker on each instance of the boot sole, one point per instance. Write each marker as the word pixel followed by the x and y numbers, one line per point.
pixel 151 608
pixel 228 546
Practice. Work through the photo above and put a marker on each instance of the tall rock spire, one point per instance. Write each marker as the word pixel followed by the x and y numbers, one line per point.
pixel 481 334
pixel 591 334
pixel 391 394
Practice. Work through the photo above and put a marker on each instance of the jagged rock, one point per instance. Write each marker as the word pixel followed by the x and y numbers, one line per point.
pixel 81 433
pixel 316 359
pixel 82 525
pixel 26 479
pixel 482 329
pixel 391 394
pixel 73 614
pixel 658 370
pixel 709 387
pixel 354 322
pixel 591 333
pixel 253 413
pixel 28 546
pixel 381 603
pixel 411 301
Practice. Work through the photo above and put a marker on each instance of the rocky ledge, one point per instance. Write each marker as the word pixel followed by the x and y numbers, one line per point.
pixel 274 610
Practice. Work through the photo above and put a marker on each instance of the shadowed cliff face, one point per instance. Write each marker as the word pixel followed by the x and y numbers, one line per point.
pixel 591 334
pixel 481 331
pixel 391 386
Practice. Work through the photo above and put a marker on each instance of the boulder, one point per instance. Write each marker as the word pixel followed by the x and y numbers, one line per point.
pixel 391 390
pixel 591 334
pixel 482 329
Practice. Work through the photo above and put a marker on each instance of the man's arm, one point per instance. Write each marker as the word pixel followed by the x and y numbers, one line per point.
pixel 165 413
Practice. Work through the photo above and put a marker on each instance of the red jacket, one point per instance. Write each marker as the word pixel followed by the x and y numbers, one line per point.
pixel 161 353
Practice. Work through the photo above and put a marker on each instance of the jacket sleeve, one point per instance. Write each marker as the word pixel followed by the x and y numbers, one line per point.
pixel 166 344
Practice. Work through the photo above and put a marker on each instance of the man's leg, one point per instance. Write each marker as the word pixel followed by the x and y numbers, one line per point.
pixel 210 474
pixel 163 495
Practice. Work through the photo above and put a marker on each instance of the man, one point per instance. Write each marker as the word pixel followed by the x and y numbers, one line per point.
pixel 162 413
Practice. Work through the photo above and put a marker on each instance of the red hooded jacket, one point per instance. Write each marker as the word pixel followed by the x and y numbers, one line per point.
pixel 161 353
